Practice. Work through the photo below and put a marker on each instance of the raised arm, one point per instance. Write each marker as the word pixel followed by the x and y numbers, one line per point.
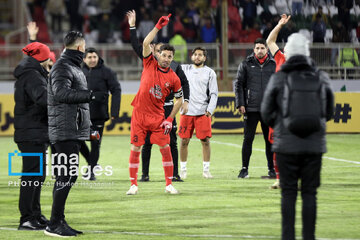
pixel 33 31
pixel 131 15
pixel 271 40
pixel 163 21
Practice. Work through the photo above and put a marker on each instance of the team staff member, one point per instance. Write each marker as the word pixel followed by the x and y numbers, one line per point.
pixel 31 130
pixel 157 82
pixel 69 124
pixel 202 104
pixel 168 106
pixel 252 77
pixel 279 58
pixel 102 80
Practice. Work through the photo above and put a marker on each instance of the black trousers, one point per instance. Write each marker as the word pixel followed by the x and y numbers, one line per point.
pixel 146 150
pixel 251 122
pixel 305 167
pixel 30 188
pixel 92 157
pixel 66 164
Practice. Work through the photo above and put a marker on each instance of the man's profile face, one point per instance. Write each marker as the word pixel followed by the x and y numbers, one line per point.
pixel 165 58
pixel 91 59
pixel 260 50
pixel 198 58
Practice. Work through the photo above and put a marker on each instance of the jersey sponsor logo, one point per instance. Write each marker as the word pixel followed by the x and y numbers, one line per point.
pixel 167 85
pixel 156 92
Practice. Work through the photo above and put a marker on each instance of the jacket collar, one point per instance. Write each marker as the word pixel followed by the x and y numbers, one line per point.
pixel 298 63
pixel 74 56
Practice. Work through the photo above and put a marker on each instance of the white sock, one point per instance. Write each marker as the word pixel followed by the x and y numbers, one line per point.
pixel 206 166
pixel 183 166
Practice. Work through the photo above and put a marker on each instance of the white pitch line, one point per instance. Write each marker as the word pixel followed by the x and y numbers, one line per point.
pixel 262 150
pixel 189 235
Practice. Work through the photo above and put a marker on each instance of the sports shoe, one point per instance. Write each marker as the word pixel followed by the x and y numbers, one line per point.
pixel 42 219
pixel 177 178
pixel 62 229
pixel 133 190
pixel 183 174
pixel 144 178
pixel 243 173
pixel 32 225
pixel 207 174
pixel 272 173
pixel 276 184
pixel 170 189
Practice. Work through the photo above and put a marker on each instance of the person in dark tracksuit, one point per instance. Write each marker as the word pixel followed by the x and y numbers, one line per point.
pixel 168 106
pixel 252 77
pixel 102 80
pixel 31 130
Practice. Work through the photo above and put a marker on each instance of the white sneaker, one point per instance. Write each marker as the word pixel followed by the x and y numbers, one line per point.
pixel 133 190
pixel 276 185
pixel 207 174
pixel 170 189
pixel 183 174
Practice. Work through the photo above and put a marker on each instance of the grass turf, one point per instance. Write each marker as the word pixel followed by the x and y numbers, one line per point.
pixel 221 208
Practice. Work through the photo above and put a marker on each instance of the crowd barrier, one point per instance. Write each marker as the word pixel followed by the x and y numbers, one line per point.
pixel 226 118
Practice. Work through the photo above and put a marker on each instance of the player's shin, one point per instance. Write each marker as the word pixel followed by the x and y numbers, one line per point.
pixel 167 164
pixel 134 166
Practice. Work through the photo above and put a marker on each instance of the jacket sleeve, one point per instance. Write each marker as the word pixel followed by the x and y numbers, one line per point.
pixel 115 89
pixel 213 92
pixel 184 82
pixel 61 80
pixel 36 88
pixel 269 106
pixel 329 96
pixel 240 85
pixel 135 43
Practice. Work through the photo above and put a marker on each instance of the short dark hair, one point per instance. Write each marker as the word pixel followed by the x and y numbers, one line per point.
pixel 201 49
pixel 167 47
pixel 72 38
pixel 90 50
pixel 260 41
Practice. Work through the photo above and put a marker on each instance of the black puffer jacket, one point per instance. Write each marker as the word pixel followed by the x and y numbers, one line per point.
pixel 284 140
pixel 251 81
pixel 30 113
pixel 103 79
pixel 68 99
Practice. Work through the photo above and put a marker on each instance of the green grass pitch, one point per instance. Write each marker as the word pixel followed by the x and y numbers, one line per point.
pixel 221 208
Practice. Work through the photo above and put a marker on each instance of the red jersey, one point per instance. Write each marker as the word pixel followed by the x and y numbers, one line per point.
pixel 155 85
pixel 279 58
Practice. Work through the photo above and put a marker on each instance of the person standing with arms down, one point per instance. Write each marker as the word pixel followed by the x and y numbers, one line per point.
pixel 158 80
pixel 69 124
pixel 297 103
pixel 168 106
pixel 279 58
pixel 252 77
pixel 102 80
pixel 31 130
pixel 202 104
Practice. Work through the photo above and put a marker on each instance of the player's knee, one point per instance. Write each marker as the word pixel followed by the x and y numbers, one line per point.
pixel 205 142
pixel 135 148
pixel 185 142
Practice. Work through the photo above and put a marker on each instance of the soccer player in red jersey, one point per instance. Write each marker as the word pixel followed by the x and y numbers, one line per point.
pixel 157 82
pixel 279 58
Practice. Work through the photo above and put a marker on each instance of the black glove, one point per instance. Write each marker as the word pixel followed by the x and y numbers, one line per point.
pixel 99 96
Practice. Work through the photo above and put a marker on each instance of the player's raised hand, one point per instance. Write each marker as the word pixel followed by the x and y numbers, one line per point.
pixel 131 15
pixel 167 125
pixel 163 21
pixel 284 19
pixel 32 30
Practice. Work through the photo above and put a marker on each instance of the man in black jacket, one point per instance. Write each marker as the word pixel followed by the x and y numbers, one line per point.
pixel 252 77
pixel 169 103
pixel 298 157
pixel 69 124
pixel 100 79
pixel 31 130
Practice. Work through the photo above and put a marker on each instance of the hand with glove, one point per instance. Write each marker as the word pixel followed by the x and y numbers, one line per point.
pixel 163 21
pixel 98 96
pixel 167 125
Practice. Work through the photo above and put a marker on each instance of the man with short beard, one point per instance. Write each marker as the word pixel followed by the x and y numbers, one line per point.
pixel 202 104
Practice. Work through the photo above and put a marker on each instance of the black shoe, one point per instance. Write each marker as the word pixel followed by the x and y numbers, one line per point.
pixel 60 229
pixel 177 179
pixel 144 178
pixel 272 174
pixel 42 220
pixel 32 225
pixel 74 230
pixel 243 173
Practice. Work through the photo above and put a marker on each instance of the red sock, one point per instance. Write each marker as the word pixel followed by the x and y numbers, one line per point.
pixel 167 164
pixel 134 166
pixel 276 167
